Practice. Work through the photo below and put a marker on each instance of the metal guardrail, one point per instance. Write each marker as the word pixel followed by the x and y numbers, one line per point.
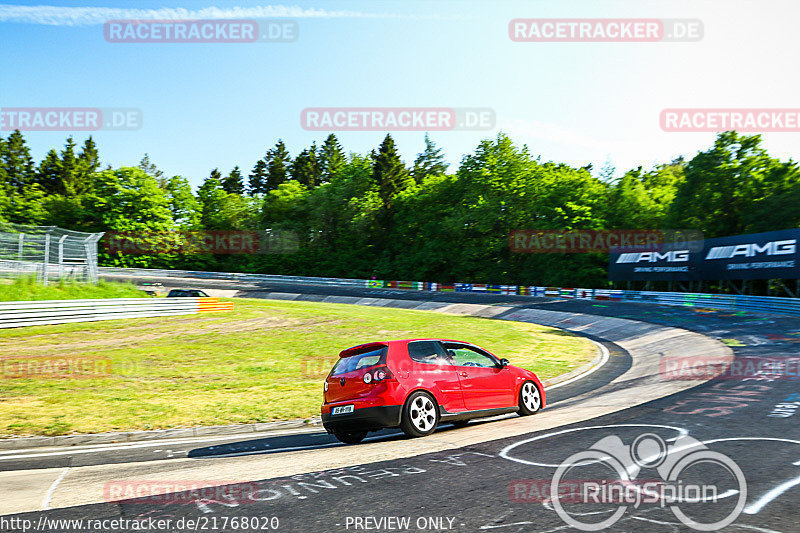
pixel 236 276
pixel 40 312
pixel 764 304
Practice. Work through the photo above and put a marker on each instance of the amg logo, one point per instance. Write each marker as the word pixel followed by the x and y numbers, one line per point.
pixel 675 256
pixel 749 250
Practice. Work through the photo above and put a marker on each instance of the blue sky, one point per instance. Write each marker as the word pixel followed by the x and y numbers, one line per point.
pixel 220 105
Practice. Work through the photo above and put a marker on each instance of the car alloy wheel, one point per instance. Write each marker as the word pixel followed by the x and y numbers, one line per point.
pixel 530 399
pixel 420 415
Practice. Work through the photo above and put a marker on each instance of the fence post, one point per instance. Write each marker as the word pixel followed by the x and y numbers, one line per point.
pixel 61 257
pixel 46 258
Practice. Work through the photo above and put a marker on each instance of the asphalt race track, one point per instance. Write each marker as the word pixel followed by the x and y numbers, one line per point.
pixel 504 485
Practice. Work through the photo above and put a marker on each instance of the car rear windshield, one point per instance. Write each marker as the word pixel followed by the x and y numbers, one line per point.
pixel 359 361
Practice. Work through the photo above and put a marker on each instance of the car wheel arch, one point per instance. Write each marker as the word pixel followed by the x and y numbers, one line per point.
pixel 427 391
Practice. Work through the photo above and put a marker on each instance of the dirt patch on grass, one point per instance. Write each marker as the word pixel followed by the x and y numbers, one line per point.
pixel 202 327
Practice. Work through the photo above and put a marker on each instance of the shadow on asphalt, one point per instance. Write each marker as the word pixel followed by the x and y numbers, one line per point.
pixel 308 441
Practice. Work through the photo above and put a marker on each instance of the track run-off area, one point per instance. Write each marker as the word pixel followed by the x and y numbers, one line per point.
pixel 493 475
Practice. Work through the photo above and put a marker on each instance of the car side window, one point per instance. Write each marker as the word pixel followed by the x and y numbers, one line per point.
pixel 427 352
pixel 464 356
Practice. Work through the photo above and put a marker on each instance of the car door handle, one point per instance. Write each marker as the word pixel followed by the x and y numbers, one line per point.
pixel 463 374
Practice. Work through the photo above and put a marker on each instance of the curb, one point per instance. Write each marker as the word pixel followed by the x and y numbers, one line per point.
pixel 585 368
pixel 20 443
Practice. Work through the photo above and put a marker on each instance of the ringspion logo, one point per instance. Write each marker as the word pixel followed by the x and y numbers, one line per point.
pixel 692 478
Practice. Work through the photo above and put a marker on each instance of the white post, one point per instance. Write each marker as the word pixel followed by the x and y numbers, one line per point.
pixel 46 257
pixel 21 239
pixel 61 257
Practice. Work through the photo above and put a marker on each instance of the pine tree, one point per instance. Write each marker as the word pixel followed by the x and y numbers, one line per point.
pixel 331 158
pixel 68 170
pixel 257 181
pixel 232 183
pixel 48 176
pixel 278 160
pixel 17 163
pixel 211 197
pixel 88 162
pixel 430 162
pixel 305 169
pixel 3 176
pixel 152 170
pixel 389 172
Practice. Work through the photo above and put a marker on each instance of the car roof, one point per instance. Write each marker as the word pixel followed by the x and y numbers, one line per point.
pixel 379 344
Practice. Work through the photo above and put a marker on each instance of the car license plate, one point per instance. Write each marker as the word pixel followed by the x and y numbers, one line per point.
pixel 342 409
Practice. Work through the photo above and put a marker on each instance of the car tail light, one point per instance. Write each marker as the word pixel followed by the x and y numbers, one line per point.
pixel 379 374
pixel 325 387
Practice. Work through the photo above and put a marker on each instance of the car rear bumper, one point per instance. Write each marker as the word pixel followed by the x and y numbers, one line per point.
pixel 366 418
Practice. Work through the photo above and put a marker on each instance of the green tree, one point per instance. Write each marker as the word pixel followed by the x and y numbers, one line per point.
pixel 17 163
pixel 724 184
pixel 257 181
pixel 88 162
pixel 129 200
pixel 278 161
pixel 152 170
pixel 430 162
pixel 389 172
pixel 233 184
pixel 185 208
pixel 331 158
pixel 305 168
pixel 212 199
pixel 48 174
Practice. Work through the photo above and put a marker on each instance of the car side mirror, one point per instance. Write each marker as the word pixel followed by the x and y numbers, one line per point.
pixel 503 363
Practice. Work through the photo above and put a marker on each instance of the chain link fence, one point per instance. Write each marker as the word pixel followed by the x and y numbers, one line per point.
pixel 48 253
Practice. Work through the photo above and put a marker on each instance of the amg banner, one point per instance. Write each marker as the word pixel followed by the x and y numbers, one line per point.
pixel 770 255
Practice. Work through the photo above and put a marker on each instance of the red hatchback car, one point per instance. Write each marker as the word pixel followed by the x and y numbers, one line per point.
pixel 416 384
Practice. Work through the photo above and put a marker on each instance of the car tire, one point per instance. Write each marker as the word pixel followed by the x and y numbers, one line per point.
pixel 350 437
pixel 530 399
pixel 420 415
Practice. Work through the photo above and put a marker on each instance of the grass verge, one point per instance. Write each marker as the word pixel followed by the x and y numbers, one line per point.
pixel 24 289
pixel 261 362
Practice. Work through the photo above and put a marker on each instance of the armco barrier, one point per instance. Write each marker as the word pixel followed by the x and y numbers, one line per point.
pixel 766 304
pixel 34 313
